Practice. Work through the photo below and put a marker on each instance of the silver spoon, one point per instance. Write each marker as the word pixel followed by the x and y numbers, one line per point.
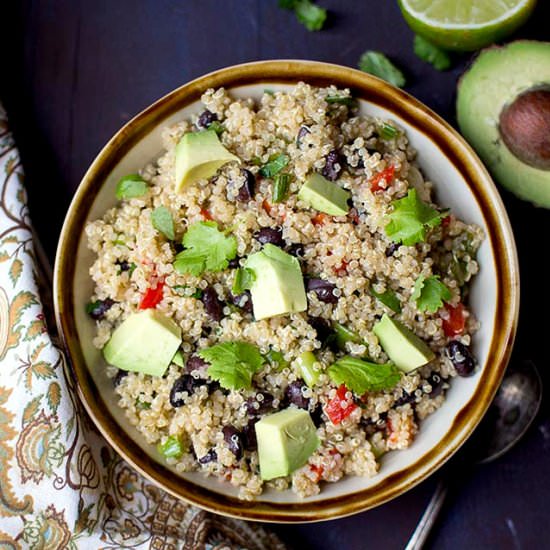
pixel 513 410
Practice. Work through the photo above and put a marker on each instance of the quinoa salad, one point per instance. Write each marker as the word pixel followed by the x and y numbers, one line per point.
pixel 279 297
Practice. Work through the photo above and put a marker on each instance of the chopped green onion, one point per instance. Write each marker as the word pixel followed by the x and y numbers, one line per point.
pixel 269 92
pixel 341 100
pixel 119 242
pixel 274 166
pixel 388 131
pixel 306 364
pixel 171 448
pixel 197 294
pixel 217 126
pixel 388 298
pixel 344 334
pixel 276 359
pixel 142 405
pixel 280 187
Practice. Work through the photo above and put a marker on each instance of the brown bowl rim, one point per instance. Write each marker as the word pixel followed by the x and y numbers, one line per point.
pixel 451 144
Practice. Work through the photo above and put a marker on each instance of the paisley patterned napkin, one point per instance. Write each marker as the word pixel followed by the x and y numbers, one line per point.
pixel 61 485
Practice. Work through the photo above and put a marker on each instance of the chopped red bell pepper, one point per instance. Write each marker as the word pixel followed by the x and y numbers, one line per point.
pixel 339 407
pixel 382 180
pixel 454 320
pixel 320 218
pixel 317 470
pixel 342 269
pixel 266 206
pixel 446 221
pixel 153 295
pixel 206 214
pixel 354 216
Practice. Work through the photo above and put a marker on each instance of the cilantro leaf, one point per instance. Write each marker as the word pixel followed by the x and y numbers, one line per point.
pixel 410 219
pixel 313 17
pixel 274 166
pixel 130 187
pixel 232 364
pixel 217 126
pixel 388 298
pixel 432 54
pixel 206 249
pixel 379 65
pixel 244 278
pixel 362 376
pixel 162 221
pixel 429 293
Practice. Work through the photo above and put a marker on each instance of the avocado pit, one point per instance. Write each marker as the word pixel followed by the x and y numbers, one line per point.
pixel 524 127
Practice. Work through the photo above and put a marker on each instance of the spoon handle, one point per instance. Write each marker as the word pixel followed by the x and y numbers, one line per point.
pixel 429 517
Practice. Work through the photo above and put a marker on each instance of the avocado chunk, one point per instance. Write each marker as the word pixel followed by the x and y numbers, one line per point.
pixel 278 285
pixel 286 439
pixel 503 110
pixel 403 347
pixel 199 155
pixel 325 196
pixel 144 342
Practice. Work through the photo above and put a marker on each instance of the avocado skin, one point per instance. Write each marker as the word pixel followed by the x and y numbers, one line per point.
pixel 494 80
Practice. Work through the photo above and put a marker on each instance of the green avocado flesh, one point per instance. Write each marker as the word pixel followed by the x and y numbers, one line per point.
pixel 144 342
pixel 286 439
pixel 325 196
pixel 403 347
pixel 199 155
pixel 494 80
pixel 278 286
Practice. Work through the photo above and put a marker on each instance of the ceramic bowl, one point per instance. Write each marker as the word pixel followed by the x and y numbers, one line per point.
pixel 461 183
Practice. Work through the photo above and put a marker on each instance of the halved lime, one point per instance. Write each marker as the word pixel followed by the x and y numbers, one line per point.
pixel 465 24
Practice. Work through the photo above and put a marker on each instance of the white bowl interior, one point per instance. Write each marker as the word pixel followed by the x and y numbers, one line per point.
pixel 452 191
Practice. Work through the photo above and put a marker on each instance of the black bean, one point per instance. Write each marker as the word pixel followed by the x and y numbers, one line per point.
pixel 210 456
pixel 302 133
pixel 255 407
pixel 294 395
pixel 322 328
pixel 436 382
pixel 119 376
pixel 373 426
pixel 123 265
pixel 234 263
pixel 317 415
pixel 246 191
pixel 195 363
pixel 323 289
pixel 463 361
pixel 392 249
pixel 206 118
pixel 212 304
pixel 244 301
pixel 249 435
pixel 296 249
pixel 234 440
pixel 333 166
pixel 97 310
pixel 405 398
pixel 270 235
pixel 185 383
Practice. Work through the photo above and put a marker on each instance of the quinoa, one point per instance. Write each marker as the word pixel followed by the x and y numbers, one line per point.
pixel 352 252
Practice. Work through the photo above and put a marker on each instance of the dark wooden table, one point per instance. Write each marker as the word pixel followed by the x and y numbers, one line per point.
pixel 73 72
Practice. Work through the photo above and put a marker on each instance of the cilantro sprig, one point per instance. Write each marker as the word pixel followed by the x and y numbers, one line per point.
pixel 429 293
pixel 388 298
pixel 431 53
pixel 411 218
pixel 379 65
pixel 362 376
pixel 206 249
pixel 130 187
pixel 313 17
pixel 233 364
pixel 274 166
pixel 162 221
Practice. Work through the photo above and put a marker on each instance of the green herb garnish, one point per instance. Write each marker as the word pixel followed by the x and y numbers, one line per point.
pixel 142 405
pixel 429 293
pixel 162 221
pixel 388 298
pixel 309 14
pixel 274 166
pixel 341 100
pixel 379 65
pixel 388 131
pixel 343 334
pixel 244 278
pixel 130 187
pixel 431 53
pixel 269 92
pixel 411 218
pixel 171 448
pixel 206 249
pixel 217 126
pixel 232 364
pixel 276 359
pixel 280 187
pixel 362 376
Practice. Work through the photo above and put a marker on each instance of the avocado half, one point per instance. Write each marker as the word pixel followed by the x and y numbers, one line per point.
pixel 503 110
